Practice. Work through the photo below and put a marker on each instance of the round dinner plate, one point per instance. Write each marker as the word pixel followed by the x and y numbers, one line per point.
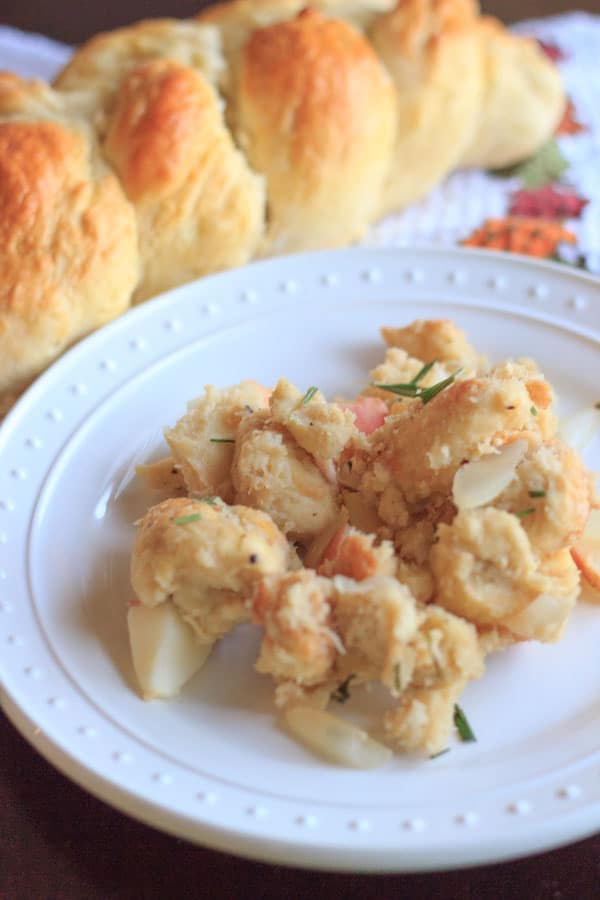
pixel 213 765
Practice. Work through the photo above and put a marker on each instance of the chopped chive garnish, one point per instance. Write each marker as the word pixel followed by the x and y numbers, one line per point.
pixel 402 390
pixel 525 512
pixel 211 499
pixel 429 393
pixel 462 725
pixel 222 440
pixel 398 676
pixel 533 410
pixel 309 395
pixel 597 405
pixel 183 520
pixel 411 389
pixel 423 372
pixel 342 691
pixel 440 753
pixel 537 493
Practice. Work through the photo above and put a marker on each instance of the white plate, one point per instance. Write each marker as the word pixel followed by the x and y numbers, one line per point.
pixel 212 766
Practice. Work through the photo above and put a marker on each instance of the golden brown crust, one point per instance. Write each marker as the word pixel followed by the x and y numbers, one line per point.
pixel 199 207
pixel 68 247
pixel 314 111
pixel 152 133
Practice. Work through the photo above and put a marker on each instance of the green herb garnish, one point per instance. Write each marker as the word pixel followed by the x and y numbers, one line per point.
pixel 423 372
pixel 211 499
pixel 597 405
pixel 411 389
pixel 429 393
pixel 525 512
pixel 537 493
pixel 440 753
pixel 533 411
pixel 342 691
pixel 222 440
pixel 462 725
pixel 183 520
pixel 309 395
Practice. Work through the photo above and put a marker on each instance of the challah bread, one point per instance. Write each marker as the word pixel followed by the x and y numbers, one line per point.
pixel 259 128
pixel 314 110
pixel 433 52
pixel 523 99
pixel 68 243
pixel 199 207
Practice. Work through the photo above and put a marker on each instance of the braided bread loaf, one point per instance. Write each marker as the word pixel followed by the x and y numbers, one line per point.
pixel 171 149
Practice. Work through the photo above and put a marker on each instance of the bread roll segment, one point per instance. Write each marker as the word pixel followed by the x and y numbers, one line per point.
pixel 432 51
pixel 522 103
pixel 314 110
pixel 199 207
pixel 68 244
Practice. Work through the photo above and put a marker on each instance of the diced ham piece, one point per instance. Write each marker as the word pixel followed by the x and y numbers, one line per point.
pixel 370 413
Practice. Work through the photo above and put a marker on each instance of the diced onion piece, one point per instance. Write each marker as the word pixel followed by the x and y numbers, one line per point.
pixel 479 482
pixel 335 739
pixel 586 552
pixel 165 651
pixel 579 429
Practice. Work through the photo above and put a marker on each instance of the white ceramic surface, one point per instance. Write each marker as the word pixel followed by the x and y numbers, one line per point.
pixel 212 765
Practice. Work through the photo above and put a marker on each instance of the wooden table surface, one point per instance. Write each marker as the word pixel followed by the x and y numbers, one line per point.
pixel 57 842
pixel 73 22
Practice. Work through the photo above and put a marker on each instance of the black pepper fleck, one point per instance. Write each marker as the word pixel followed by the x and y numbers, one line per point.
pixel 253 558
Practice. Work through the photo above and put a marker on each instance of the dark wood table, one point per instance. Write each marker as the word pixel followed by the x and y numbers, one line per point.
pixel 73 22
pixel 58 843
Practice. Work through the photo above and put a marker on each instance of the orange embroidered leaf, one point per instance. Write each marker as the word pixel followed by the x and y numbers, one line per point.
pixel 569 124
pixel 532 237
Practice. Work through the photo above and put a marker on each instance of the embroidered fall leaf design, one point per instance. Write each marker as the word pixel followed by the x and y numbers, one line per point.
pixel 547 203
pixel 533 237
pixel 552 51
pixel 569 124
pixel 544 167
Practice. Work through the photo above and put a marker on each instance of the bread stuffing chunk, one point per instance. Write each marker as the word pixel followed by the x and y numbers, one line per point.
pixel 320 630
pixel 383 546
pixel 206 558
pixel 551 495
pixel 434 340
pixel 485 570
pixel 357 555
pixel 202 441
pixel 272 472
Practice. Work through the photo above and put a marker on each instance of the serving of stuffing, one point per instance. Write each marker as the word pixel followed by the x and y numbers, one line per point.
pixel 399 537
